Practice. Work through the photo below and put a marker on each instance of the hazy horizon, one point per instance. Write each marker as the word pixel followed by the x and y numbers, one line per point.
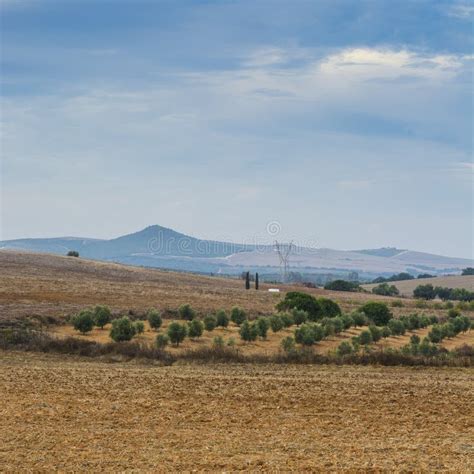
pixel 347 123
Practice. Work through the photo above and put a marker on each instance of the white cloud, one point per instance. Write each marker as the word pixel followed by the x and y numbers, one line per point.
pixel 463 11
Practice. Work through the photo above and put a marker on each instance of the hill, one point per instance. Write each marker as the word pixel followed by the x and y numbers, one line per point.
pixel 160 247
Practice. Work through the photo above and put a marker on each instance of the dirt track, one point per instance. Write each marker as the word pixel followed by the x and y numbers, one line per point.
pixel 67 414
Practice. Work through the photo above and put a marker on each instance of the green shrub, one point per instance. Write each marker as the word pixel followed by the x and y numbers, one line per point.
pixel 396 327
pixel 84 321
pixel 186 312
pixel 287 319
pixel 248 332
pixel 73 253
pixel 434 319
pixel 195 328
pixel 210 322
pixel 421 304
pixel 347 321
pixel 385 331
pixel 305 335
pixel 231 342
pixel 436 334
pixel 342 285
pixel 453 313
pixel 328 327
pixel 365 338
pixel 397 304
pixel 222 320
pixel 102 316
pixel 426 292
pixel 139 327
pixel 359 318
pixel 177 332
pixel 288 344
pixel 415 339
pixel 329 309
pixel 376 332
pixel 377 312
pixel 344 348
pixel 276 323
pixel 262 326
pixel 301 301
pixel 154 318
pixel 122 329
pixel 448 305
pixel 299 316
pixel 338 324
pixel 237 315
pixel 161 341
pixel 218 341
pixel 384 289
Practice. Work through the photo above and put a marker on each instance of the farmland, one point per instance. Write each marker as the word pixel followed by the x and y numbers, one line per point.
pixel 70 414
pixel 73 413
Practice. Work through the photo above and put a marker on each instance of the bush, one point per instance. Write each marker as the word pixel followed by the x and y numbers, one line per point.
pixel 385 289
pixel 73 253
pixel 195 328
pixel 262 326
pixel 415 339
pixel 347 321
pixel 376 333
pixel 287 319
pixel 139 327
pixel 154 318
pixel 218 342
pixel 301 301
pixel 344 348
pixel 328 327
pixel 299 316
pixel 396 327
pixel 248 332
pixel 329 309
pixel 359 319
pixel 397 304
pixel 426 292
pixel 231 342
pixel 222 319
pixel 342 285
pixel 122 329
pixel 161 341
pixel 276 323
pixel 237 315
pixel 365 338
pixel 421 304
pixel 177 332
pixel 102 316
pixel 385 331
pixel 84 321
pixel 377 312
pixel 308 334
pixel 210 322
pixel 288 344
pixel 434 319
pixel 453 313
pixel 436 334
pixel 186 312
pixel 338 324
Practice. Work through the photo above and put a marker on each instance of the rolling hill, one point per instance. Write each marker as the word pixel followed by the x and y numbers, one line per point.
pixel 160 247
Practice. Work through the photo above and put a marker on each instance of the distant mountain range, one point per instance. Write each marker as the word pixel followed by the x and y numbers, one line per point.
pixel 160 247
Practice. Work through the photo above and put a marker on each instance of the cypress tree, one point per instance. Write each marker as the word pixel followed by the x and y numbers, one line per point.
pixel 247 281
pixel 256 281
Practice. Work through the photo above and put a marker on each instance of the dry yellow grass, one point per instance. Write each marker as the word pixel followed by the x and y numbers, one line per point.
pixel 65 414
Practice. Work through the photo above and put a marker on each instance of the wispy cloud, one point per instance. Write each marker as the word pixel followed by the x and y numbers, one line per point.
pixel 464 11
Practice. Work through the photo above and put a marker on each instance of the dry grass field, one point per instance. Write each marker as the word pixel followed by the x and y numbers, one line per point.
pixel 406 287
pixel 50 285
pixel 67 414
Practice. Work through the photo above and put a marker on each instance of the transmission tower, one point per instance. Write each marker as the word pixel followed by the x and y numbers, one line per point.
pixel 284 251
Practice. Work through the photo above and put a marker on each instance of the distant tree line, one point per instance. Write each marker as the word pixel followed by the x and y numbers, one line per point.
pixel 429 292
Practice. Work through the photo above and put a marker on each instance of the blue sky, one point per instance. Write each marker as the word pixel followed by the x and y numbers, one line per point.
pixel 347 122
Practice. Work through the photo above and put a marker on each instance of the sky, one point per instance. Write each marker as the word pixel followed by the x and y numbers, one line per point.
pixel 345 124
